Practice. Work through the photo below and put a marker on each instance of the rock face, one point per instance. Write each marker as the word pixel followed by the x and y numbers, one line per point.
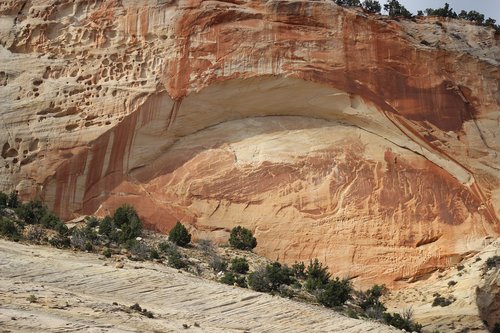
pixel 369 143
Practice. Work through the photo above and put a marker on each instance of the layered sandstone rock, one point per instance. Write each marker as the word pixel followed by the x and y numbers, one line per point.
pixel 369 143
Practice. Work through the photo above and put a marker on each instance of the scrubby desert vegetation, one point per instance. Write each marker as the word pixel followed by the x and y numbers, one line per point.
pixel 121 234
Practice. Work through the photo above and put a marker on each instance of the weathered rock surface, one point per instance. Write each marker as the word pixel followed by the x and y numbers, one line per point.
pixel 369 143
pixel 473 289
pixel 76 292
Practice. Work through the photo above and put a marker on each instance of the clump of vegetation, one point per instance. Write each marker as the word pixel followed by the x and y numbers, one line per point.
pixel 9 229
pixel 370 303
pixel 127 220
pixel 231 278
pixel 239 265
pixel 179 235
pixel 123 228
pixel 9 200
pixel 242 238
pixel 352 3
pixel 299 270
pixel 217 263
pixel 84 238
pixel 493 262
pixel 369 6
pixel 404 321
pixel 317 276
pixel 442 301
pixel 395 9
pixel 107 252
pixel 139 250
pixel 4 198
pixel 473 16
pixel 32 298
pixel 270 277
pixel 137 308
pixel 206 246
pixel 372 6
pixel 335 293
pixel 176 260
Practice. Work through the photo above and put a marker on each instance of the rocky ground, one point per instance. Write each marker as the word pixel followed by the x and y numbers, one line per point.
pixel 51 290
pixel 471 288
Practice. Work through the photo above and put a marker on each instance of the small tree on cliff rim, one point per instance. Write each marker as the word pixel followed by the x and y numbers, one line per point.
pixel 242 239
pixel 395 9
pixel 351 3
pixel 179 235
pixel 372 6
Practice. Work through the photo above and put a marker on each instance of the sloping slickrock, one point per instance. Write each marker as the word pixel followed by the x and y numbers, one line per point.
pixel 75 292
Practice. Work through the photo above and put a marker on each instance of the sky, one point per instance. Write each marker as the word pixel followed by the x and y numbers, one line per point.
pixel 490 8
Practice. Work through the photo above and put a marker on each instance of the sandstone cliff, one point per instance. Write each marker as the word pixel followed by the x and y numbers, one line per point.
pixel 367 142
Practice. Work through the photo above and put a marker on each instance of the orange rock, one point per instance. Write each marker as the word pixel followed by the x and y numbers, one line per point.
pixel 368 142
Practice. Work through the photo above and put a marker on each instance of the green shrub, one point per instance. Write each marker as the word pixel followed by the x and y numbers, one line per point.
pixel 107 228
pixel 4 198
pixel 496 328
pixel 395 9
pixel 370 302
pixel 335 293
pixel 49 220
pixel 154 254
pixel 372 6
pixel 402 322
pixel 348 3
pixel 13 201
pixel 9 229
pixel 299 270
pixel 92 222
pixel 166 247
pixel 139 250
pixel 124 214
pixel 131 230
pixel 175 259
pixel 317 276
pixel 232 279
pixel 445 11
pixel 88 246
pixel 82 237
pixel 107 253
pixel 242 238
pixel 179 235
pixel 61 229
pixel 278 275
pixel 259 281
pixel 126 218
pixel 270 277
pixel 32 212
pixel 239 265
pixel 492 262
pixel 60 241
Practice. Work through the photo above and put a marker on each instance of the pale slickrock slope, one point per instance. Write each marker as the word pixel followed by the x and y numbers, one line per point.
pixel 76 291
